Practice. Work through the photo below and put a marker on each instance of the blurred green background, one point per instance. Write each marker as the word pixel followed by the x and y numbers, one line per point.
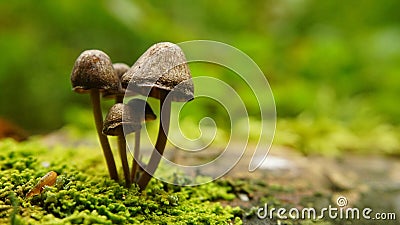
pixel 334 67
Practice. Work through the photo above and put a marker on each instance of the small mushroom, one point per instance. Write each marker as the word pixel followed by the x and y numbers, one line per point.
pixel 120 119
pixel 93 72
pixel 113 126
pixel 161 72
pixel 119 70
pixel 142 112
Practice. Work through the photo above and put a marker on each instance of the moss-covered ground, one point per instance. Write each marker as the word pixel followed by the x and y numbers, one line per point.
pixel 83 193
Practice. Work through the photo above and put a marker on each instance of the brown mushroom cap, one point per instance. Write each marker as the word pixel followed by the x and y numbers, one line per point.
pixel 93 69
pixel 120 69
pixel 162 67
pixel 120 118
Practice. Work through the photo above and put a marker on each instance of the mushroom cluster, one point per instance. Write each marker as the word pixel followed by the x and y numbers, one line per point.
pixel 161 72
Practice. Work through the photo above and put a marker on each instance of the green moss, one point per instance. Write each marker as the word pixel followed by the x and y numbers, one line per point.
pixel 83 194
pixel 329 137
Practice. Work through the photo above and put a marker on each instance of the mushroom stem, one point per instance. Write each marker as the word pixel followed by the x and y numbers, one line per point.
pixel 98 118
pixel 122 149
pixel 119 99
pixel 165 111
pixel 124 159
pixel 136 153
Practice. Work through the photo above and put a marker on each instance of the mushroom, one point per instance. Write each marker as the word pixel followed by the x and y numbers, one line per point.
pixel 124 119
pixel 142 112
pixel 113 126
pixel 93 72
pixel 119 70
pixel 160 72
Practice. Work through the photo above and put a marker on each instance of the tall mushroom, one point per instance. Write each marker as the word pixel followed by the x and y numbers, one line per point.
pixel 161 72
pixel 93 72
pixel 142 112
